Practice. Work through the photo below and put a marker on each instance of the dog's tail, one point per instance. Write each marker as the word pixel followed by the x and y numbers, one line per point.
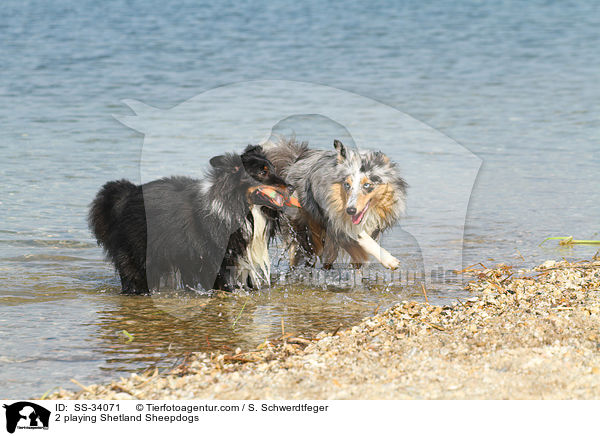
pixel 106 207
pixel 284 152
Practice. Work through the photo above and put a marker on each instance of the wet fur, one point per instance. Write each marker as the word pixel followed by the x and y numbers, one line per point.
pixel 202 232
pixel 323 225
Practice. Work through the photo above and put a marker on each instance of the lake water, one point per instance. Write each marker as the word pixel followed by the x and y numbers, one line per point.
pixel 514 83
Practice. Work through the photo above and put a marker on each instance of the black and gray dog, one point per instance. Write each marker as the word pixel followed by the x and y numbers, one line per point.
pixel 184 232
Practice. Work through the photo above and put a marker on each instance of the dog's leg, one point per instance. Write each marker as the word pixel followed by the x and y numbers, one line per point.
pixel 358 255
pixel 296 234
pixel 330 252
pixel 187 280
pixel 294 255
pixel 126 285
pixel 317 236
pixel 379 253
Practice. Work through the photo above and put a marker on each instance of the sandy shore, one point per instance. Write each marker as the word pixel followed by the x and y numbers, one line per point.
pixel 523 335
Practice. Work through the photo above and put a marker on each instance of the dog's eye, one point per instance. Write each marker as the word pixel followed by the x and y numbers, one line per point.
pixel 346 186
pixel 367 186
pixel 262 173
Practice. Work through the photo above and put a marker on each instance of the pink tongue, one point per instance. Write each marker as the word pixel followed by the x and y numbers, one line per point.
pixel 356 219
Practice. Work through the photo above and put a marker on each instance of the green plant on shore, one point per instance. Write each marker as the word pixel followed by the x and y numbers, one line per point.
pixel 239 314
pixel 128 335
pixel 568 240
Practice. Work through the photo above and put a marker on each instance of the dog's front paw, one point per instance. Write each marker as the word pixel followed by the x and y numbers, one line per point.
pixel 390 262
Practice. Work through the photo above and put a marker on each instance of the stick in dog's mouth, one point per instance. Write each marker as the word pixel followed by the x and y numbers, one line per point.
pixel 273 197
pixel 356 219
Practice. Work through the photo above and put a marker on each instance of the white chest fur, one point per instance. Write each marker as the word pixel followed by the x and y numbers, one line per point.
pixel 255 263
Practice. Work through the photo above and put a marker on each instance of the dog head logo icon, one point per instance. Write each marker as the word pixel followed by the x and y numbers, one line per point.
pixel 26 415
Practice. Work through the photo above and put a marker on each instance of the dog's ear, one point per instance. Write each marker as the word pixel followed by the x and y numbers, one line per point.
pixel 218 161
pixel 341 150
pixel 253 148
pixel 225 163
pixel 382 157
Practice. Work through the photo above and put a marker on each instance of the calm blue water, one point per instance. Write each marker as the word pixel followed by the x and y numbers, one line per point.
pixel 515 83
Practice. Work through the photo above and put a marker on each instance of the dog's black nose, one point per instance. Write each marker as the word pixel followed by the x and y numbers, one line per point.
pixel 351 211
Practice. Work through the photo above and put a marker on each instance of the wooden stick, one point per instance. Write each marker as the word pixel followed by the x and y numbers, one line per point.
pixel 461 303
pixel 435 326
pixel 469 267
pixel 147 380
pixel 299 341
pixel 424 293
pixel 82 386
pixel 238 359
pixel 571 267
